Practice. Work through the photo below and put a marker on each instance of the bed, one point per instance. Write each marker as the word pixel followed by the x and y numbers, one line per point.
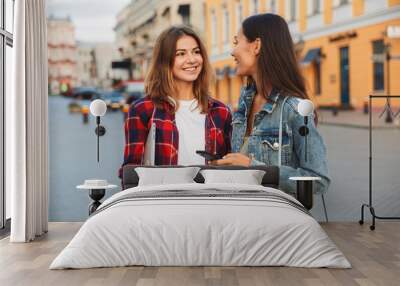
pixel 201 224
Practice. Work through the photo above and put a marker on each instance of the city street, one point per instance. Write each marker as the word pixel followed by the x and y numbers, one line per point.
pixel 348 166
pixel 73 159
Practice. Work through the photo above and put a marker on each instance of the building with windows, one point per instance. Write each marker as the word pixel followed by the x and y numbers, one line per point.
pixel 94 64
pixel 86 66
pixel 139 24
pixel 62 53
pixel 348 49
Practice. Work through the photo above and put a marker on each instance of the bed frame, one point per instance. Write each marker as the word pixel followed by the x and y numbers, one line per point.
pixel 130 178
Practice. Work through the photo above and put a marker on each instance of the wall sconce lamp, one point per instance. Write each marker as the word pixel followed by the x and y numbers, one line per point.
pixel 98 108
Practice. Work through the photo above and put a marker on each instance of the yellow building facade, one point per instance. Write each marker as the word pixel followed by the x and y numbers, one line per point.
pixel 347 49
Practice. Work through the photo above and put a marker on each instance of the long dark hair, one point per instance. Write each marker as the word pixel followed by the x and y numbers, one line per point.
pixel 276 65
pixel 160 84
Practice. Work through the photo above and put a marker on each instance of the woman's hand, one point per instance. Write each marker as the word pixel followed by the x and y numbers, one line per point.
pixel 236 159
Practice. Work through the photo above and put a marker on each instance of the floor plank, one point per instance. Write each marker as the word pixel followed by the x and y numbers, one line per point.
pixel 374 255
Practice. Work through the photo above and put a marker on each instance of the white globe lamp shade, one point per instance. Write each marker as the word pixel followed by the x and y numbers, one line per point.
pixel 305 107
pixel 98 107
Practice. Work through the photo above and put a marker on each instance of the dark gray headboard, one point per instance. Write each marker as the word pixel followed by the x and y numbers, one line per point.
pixel 130 178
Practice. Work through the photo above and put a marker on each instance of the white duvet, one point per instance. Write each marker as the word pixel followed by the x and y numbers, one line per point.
pixel 185 231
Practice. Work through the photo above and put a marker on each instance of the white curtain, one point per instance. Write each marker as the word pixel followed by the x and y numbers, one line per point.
pixel 27 124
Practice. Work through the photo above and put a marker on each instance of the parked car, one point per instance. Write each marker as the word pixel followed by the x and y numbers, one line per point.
pixel 131 90
pixel 114 99
pixel 86 93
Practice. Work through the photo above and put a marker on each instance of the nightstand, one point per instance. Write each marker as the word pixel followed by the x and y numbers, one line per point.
pixel 304 190
pixel 97 190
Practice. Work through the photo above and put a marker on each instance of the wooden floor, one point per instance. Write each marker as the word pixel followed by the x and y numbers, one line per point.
pixel 374 255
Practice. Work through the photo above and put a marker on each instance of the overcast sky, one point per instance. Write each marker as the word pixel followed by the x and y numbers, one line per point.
pixel 93 19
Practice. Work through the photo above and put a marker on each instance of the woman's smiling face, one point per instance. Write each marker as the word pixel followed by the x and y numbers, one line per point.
pixel 245 55
pixel 188 60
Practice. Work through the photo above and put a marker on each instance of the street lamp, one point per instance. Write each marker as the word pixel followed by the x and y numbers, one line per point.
pixel 389 117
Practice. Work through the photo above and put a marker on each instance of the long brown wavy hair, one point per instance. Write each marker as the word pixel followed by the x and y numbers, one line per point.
pixel 160 83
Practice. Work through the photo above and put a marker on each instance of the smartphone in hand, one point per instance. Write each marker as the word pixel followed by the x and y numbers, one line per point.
pixel 208 156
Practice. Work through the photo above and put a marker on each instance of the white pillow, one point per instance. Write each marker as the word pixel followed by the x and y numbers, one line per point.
pixel 248 177
pixel 166 176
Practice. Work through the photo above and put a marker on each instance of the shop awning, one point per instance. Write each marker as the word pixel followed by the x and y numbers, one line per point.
pixel 311 55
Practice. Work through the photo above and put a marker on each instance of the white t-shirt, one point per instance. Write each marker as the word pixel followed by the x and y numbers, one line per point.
pixel 191 126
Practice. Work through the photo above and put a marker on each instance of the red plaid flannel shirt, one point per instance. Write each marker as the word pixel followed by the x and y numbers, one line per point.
pixel 217 132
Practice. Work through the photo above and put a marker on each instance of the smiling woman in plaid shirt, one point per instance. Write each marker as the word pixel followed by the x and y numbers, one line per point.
pixel 178 102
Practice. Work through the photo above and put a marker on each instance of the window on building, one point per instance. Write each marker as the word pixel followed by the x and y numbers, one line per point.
pixel 317 7
pixel 166 14
pixel 314 7
pixel 313 58
pixel 214 27
pixel 378 50
pixel 225 17
pixel 6 45
pixel 254 7
pixel 184 11
pixel 317 73
pixel 239 14
pixel 337 3
pixel 291 10
pixel 274 6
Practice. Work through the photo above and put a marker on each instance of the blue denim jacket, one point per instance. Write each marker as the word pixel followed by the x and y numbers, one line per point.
pixel 263 144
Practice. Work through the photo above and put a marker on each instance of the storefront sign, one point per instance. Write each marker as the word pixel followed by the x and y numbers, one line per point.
pixel 342 36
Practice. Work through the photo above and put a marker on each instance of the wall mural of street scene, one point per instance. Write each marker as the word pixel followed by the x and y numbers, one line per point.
pixel 103 49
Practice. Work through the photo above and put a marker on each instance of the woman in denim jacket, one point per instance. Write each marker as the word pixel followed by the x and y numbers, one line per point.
pixel 264 53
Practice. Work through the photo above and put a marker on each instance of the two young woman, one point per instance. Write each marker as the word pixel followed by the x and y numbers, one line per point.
pixel 267 107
